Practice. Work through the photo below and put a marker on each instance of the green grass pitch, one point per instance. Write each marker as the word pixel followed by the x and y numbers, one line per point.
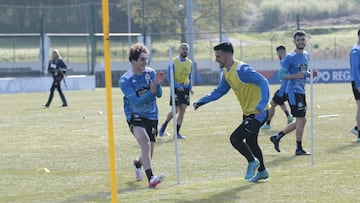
pixel 72 143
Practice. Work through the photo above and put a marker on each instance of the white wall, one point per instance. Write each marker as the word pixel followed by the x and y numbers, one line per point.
pixel 43 84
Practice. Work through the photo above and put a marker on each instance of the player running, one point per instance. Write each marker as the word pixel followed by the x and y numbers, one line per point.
pixel 140 86
pixel 183 86
pixel 280 95
pixel 295 71
pixel 355 82
pixel 252 91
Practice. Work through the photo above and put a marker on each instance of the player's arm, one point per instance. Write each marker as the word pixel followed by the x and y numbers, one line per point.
pixel 62 66
pixel 176 85
pixel 284 71
pixel 190 77
pixel 249 75
pixel 222 88
pixel 158 78
pixel 131 94
pixel 354 63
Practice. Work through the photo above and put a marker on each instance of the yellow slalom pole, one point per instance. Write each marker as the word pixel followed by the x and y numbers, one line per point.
pixel 108 84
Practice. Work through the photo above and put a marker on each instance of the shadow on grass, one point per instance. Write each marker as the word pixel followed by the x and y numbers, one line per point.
pixel 279 160
pixel 101 196
pixel 229 195
pixel 343 148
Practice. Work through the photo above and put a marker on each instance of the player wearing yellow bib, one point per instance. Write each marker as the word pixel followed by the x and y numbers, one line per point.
pixel 252 91
pixel 183 86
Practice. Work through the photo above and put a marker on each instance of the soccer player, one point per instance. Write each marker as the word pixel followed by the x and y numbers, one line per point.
pixel 252 91
pixel 57 68
pixel 141 86
pixel 295 71
pixel 355 82
pixel 183 87
pixel 280 95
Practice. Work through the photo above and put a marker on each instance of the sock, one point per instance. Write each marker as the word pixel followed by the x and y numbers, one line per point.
pixel 164 125
pixel 149 174
pixel 280 135
pixel 137 164
pixel 298 145
pixel 178 128
pixel 268 122
pixel 287 113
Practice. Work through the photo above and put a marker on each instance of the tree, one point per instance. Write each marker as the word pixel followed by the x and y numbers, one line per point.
pixel 158 16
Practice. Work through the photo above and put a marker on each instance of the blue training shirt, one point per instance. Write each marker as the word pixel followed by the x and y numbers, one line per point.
pixel 138 99
pixel 355 65
pixel 292 64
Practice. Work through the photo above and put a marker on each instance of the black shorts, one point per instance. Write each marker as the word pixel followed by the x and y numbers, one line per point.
pixel 181 97
pixel 355 91
pixel 297 104
pixel 251 124
pixel 280 100
pixel 149 125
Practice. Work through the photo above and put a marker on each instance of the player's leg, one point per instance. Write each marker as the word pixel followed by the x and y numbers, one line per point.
pixel 275 139
pixel 169 116
pixel 358 119
pixel 271 115
pixel 237 141
pixel 356 129
pixel 180 118
pixel 51 95
pixel 252 141
pixel 62 96
pixel 300 115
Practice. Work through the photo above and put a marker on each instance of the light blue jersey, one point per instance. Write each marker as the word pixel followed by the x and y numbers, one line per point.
pixel 355 65
pixel 138 99
pixel 292 64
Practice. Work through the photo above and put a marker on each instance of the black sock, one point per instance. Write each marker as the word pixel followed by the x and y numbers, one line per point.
pixel 178 128
pixel 149 174
pixel 268 122
pixel 137 164
pixel 298 145
pixel 280 135
pixel 164 125
pixel 287 113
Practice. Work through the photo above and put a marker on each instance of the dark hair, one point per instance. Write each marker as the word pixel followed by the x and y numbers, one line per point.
pixel 281 47
pixel 359 32
pixel 225 47
pixel 299 33
pixel 135 51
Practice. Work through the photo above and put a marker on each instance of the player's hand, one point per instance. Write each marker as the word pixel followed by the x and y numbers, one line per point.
pixel 257 112
pixel 160 77
pixel 315 73
pixel 153 88
pixel 180 89
pixel 196 106
pixel 299 75
pixel 191 92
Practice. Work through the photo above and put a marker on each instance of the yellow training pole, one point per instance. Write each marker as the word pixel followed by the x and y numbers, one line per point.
pixel 108 84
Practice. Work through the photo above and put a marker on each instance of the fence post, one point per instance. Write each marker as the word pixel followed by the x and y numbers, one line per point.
pixel 93 37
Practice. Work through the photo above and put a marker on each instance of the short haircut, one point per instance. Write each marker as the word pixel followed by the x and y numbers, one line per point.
pixel 359 32
pixel 299 33
pixel 281 47
pixel 184 44
pixel 135 51
pixel 225 47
